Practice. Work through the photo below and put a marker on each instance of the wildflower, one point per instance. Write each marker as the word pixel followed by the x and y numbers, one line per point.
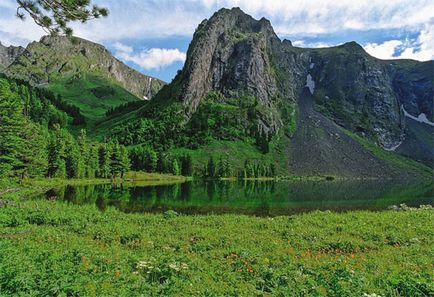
pixel 178 266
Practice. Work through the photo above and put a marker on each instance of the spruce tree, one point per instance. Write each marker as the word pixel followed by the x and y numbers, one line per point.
pixel 125 163
pixel 115 159
pixel 221 168
pixel 104 157
pixel 56 154
pixel 175 167
pixel 187 165
pixel 210 168
pixel 12 126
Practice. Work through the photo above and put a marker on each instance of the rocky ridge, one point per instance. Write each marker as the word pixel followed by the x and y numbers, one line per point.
pixel 59 57
pixel 8 54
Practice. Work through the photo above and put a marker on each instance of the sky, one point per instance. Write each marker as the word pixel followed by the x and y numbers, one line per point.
pixel 152 36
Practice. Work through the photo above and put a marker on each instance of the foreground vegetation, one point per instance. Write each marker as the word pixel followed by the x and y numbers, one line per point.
pixel 50 248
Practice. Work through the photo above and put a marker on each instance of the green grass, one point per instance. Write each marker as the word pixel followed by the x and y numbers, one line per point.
pixel 57 249
pixel 92 94
pixel 235 151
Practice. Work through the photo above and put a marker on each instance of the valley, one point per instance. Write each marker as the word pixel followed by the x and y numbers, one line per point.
pixel 262 169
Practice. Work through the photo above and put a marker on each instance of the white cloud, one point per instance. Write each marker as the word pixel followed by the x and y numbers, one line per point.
pixel 122 48
pixel 151 19
pixel 385 50
pixel 421 49
pixel 302 43
pixel 154 58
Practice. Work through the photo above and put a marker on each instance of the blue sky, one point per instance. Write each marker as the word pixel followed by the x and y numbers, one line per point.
pixel 152 36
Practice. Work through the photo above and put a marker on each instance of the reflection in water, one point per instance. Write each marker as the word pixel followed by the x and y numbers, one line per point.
pixel 264 198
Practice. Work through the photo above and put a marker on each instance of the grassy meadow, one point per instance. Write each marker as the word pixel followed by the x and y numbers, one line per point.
pixel 51 248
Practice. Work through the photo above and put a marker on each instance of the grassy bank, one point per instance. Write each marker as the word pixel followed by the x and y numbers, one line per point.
pixel 57 249
pixel 132 176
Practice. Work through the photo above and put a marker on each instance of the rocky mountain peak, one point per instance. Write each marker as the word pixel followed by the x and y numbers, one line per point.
pixel 230 53
pixel 8 54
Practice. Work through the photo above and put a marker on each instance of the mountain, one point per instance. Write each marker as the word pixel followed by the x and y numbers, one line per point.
pixel 84 73
pixel 8 55
pixel 328 111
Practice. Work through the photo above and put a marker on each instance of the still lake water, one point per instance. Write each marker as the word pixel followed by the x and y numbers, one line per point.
pixel 262 198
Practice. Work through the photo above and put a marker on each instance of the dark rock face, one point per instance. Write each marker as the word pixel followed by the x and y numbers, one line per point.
pixel 357 92
pixel 8 55
pixel 413 85
pixel 58 57
pixel 236 54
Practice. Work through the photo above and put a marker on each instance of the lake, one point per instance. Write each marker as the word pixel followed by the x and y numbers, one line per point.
pixel 261 198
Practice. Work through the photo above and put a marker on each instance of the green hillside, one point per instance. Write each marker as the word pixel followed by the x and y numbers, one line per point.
pixel 92 94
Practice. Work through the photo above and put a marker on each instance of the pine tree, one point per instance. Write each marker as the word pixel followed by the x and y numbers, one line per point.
pixel 54 15
pixel 210 168
pixel 56 154
pixel 221 172
pixel 125 163
pixel 175 167
pixel 272 170
pixel 93 162
pixel 160 164
pixel 115 159
pixel 187 165
pixel 12 125
pixel 104 157
pixel 35 157
pixel 151 159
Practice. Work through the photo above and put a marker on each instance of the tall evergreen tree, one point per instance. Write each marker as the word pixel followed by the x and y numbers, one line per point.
pixel 175 167
pixel 104 158
pixel 221 171
pixel 12 125
pixel 187 165
pixel 125 163
pixel 115 159
pixel 211 168
pixel 56 154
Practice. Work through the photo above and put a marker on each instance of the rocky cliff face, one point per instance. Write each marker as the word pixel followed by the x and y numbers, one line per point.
pixel 8 55
pixel 236 54
pixel 57 57
pixel 231 52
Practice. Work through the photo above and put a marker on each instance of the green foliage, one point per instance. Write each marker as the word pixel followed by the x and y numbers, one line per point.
pixel 162 126
pixel 144 158
pixel 54 16
pixel 104 156
pixel 186 165
pixel 176 170
pixel 119 160
pixel 91 94
pixel 257 170
pixel 63 249
pixel 22 142
pixel 12 126
pixel 34 141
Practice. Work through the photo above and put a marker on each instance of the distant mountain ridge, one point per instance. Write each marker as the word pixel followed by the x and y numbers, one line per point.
pixel 8 54
pixel 60 56
pixel 78 63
